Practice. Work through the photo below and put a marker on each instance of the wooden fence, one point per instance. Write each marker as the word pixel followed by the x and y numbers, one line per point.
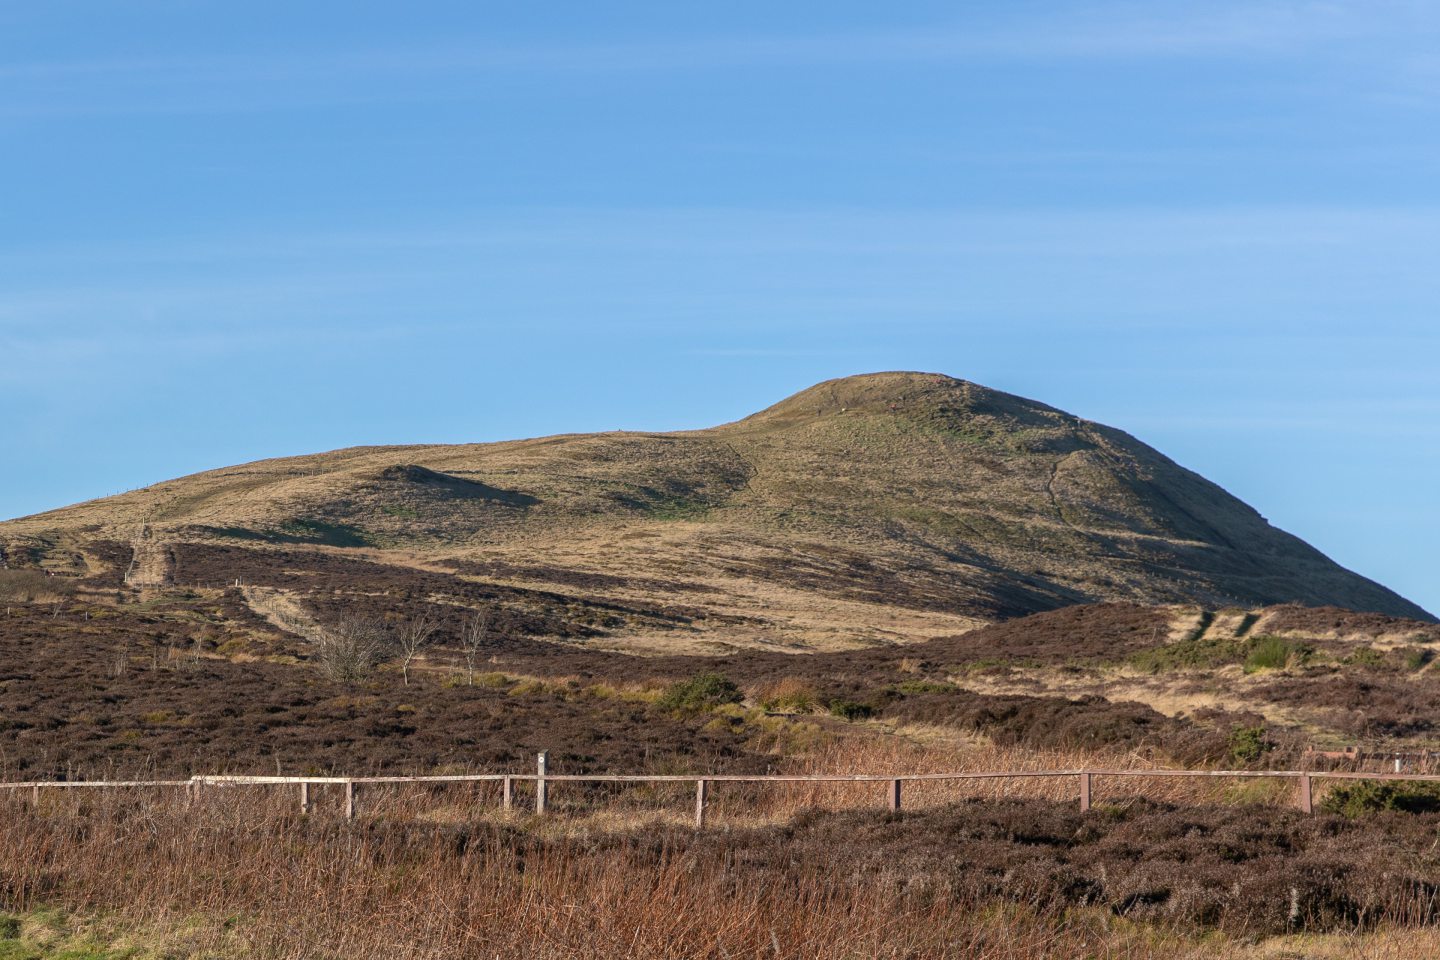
pixel 543 779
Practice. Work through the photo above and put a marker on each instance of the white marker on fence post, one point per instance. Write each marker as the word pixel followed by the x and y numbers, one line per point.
pixel 701 787
pixel 542 761
pixel 507 794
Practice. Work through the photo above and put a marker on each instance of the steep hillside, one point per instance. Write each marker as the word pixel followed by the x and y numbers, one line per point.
pixel 869 510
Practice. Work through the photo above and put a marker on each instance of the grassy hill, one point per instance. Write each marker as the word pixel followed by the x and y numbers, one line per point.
pixel 875 509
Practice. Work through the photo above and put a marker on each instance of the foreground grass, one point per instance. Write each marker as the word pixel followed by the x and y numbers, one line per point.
pixel 1008 879
pixel 48 934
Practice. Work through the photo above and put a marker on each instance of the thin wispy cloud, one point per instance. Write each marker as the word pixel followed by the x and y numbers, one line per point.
pixel 1216 215
pixel 1392 36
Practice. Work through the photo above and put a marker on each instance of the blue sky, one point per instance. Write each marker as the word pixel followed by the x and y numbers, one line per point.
pixel 232 231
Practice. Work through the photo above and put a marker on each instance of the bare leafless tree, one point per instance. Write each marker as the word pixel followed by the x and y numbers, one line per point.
pixel 411 638
pixel 351 648
pixel 473 637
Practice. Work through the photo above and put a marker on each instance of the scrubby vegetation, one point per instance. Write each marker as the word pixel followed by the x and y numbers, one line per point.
pixel 27 586
pixel 103 682
pixel 997 878
pixel 1274 653
pixel 1355 798
pixel 1248 745
pixel 701 692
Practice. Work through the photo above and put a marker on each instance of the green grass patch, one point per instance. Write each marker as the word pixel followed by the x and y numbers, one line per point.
pixel 916 687
pixel 299 531
pixel 1274 653
pixel 1365 657
pixel 1357 798
pixel 303 530
pixel 1417 658
pixel 1207 653
pixel 851 710
pixel 704 691
pixel 1189 654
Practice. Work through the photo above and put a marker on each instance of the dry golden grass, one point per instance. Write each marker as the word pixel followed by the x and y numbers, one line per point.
pixel 241 878
pixel 882 754
pixel 839 518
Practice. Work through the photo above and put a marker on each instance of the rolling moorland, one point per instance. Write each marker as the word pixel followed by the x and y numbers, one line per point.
pixel 883 573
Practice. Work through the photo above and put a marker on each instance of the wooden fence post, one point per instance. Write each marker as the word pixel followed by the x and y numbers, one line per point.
pixel 542 789
pixel 1307 804
pixel 894 794
pixel 507 794
pixel 701 787
pixel 1084 792
pixel 349 799
pixel 305 805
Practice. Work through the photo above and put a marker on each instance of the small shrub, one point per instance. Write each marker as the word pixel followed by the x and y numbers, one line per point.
pixel 851 710
pixel 9 928
pixel 1248 744
pixel 1274 653
pixel 1366 657
pixel 701 692
pixel 1416 658
pixel 790 696
pixel 350 650
pixel 1356 798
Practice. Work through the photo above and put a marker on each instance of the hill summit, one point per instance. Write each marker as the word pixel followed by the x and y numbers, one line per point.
pixel 878 508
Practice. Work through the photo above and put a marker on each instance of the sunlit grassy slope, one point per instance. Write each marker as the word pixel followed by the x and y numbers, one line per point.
pixel 871 507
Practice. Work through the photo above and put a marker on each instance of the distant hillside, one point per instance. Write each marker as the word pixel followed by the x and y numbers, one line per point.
pixel 874 509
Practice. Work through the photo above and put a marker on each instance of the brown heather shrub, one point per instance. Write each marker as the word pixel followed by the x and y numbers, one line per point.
pixel 1016 878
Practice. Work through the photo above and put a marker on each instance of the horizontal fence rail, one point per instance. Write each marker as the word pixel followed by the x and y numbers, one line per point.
pixel 542 779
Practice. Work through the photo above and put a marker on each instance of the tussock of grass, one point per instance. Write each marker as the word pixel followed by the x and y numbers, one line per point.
pixel 789 695
pixel 1274 653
